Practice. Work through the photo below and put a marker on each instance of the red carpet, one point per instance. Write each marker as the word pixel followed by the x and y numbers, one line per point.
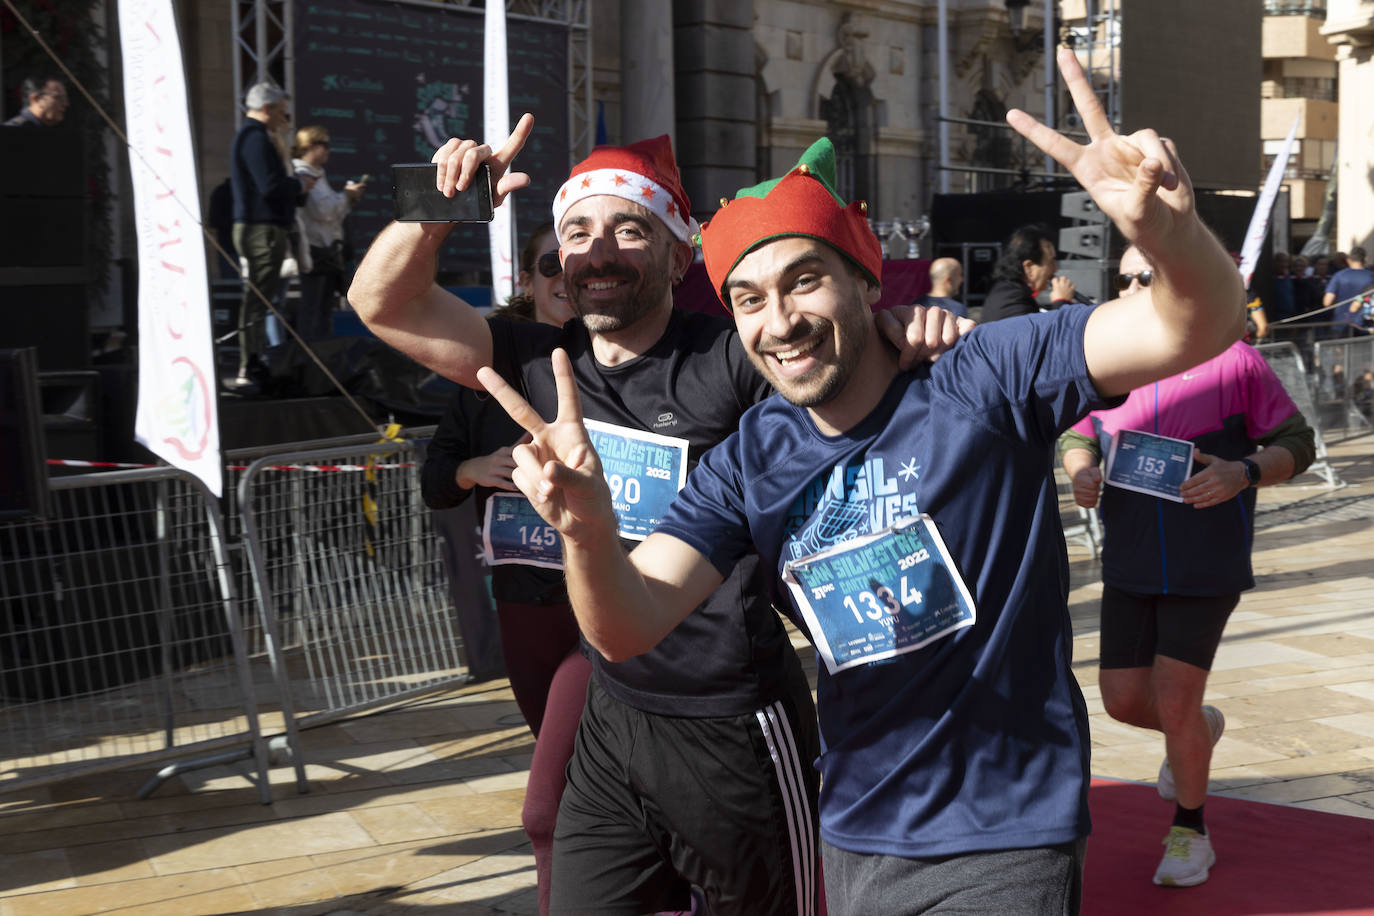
pixel 1271 859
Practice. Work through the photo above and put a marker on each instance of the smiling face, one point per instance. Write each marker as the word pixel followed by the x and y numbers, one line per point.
pixel 619 262
pixel 551 305
pixel 803 316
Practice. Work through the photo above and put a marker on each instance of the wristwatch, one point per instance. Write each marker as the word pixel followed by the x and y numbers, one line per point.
pixel 1252 471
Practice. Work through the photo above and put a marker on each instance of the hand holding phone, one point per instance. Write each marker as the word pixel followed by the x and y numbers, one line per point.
pixel 417 198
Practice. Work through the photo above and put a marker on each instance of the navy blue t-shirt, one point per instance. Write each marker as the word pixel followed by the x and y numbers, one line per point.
pixel 978 740
pixel 1346 284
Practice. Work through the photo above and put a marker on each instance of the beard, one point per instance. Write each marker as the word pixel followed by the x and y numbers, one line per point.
pixel 642 293
pixel 823 382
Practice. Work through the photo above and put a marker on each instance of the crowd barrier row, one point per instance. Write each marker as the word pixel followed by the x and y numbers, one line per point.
pixel 139 624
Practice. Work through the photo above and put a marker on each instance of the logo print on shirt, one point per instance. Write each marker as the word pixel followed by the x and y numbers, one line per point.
pixel 665 419
pixel 1188 378
pixel 849 501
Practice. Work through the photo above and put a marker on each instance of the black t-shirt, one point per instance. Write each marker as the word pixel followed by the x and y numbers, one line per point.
pixel 727 657
pixel 473 425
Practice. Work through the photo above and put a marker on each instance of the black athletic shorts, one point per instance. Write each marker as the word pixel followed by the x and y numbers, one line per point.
pixel 657 803
pixel 1136 628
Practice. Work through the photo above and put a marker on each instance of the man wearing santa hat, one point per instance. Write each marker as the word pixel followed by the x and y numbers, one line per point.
pixel 693 760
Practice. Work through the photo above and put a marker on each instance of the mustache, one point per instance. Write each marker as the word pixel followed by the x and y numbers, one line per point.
pixel 609 272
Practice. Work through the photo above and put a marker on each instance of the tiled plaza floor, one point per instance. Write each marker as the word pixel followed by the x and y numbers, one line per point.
pixel 417 810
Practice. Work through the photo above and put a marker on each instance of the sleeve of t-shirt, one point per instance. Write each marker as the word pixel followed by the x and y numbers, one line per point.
pixel 708 513
pixel 1267 404
pixel 447 450
pixel 1027 379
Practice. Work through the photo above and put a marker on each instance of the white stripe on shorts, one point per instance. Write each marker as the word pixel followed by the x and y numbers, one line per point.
pixel 782 746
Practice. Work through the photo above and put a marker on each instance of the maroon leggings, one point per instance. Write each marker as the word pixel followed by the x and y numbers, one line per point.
pixel 548 675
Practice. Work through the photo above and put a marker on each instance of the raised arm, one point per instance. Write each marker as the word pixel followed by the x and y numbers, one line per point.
pixel 624 604
pixel 394 292
pixel 1195 307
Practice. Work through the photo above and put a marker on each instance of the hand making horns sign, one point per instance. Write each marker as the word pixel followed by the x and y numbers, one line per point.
pixel 1137 180
pixel 558 470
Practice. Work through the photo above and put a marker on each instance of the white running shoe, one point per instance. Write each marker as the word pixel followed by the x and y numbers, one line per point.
pixel 1187 857
pixel 1216 724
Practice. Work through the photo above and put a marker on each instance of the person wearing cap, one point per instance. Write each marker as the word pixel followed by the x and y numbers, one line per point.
pixel 692 761
pixel 265 197
pixel 909 519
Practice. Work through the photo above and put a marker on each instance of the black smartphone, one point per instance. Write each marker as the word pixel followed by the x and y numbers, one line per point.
pixel 417 200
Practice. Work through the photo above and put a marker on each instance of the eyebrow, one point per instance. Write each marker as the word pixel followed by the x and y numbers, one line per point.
pixel 617 219
pixel 800 261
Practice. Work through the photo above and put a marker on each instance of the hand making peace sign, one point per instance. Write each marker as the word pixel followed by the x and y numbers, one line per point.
pixel 558 470
pixel 1137 180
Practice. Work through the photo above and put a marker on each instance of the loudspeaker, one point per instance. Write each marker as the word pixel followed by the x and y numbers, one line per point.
pixel 22 465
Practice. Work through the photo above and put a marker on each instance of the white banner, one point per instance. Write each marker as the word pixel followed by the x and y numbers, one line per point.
pixel 496 130
pixel 1259 220
pixel 178 415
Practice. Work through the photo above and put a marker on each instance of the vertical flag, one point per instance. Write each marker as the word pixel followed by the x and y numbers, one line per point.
pixel 177 408
pixel 496 129
pixel 1259 220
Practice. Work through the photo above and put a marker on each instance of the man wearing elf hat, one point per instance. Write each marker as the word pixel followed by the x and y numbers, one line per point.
pixel 911 522
pixel 693 760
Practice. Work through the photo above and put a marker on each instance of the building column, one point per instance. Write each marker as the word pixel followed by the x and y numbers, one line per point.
pixel 646 61
pixel 1350 26
pixel 716 99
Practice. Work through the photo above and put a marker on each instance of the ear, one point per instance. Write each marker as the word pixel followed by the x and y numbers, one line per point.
pixel 681 259
pixel 523 280
pixel 872 292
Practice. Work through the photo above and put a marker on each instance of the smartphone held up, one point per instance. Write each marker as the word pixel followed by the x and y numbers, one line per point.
pixel 418 200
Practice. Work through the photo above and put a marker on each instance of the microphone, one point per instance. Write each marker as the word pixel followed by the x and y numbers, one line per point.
pixel 1082 299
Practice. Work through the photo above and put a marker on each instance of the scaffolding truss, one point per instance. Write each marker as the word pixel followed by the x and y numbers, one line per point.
pixel 264 38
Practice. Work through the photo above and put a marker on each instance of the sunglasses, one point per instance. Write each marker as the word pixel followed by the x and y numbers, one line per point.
pixel 548 265
pixel 1123 281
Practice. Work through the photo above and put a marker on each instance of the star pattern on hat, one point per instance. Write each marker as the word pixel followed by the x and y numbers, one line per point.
pixel 672 208
pixel 646 192
pixel 586 181
pixel 620 180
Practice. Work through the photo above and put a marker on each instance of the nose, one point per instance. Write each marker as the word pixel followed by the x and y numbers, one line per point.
pixel 779 319
pixel 602 251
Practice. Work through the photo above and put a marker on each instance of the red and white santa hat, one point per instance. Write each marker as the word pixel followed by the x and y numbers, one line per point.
pixel 644 172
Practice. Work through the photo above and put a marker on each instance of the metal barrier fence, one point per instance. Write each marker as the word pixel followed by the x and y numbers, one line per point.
pixel 1288 365
pixel 1344 383
pixel 120 637
pixel 350 579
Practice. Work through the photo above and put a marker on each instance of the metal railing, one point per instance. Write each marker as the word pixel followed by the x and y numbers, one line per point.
pixel 1343 383
pixel 120 638
pixel 1289 366
pixel 350 581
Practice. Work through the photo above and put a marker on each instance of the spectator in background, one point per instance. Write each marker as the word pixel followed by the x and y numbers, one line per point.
pixel 45 103
pixel 1347 284
pixel 1172 572
pixel 265 199
pixel 322 230
pixel 946 279
pixel 1283 304
pixel 1026 267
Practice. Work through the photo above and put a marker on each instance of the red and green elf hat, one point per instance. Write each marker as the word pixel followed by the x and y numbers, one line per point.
pixel 801 203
